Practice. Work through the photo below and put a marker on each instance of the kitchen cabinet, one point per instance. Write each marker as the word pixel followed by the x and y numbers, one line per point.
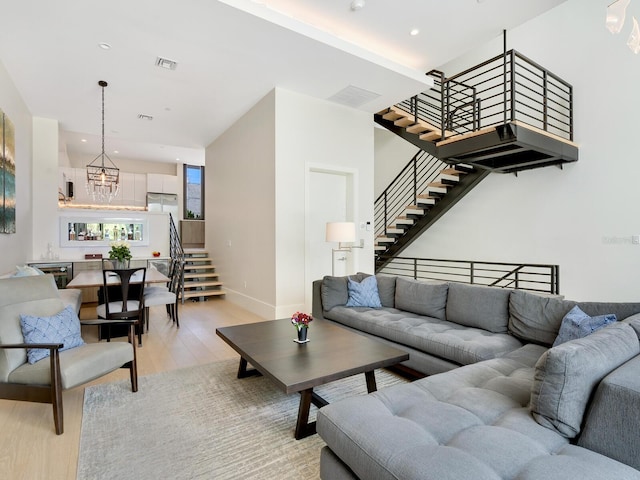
pixel 160 183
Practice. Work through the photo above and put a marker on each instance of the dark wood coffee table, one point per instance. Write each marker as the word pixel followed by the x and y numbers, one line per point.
pixel 331 354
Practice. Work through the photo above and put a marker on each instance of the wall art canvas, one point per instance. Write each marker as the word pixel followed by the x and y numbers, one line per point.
pixel 7 175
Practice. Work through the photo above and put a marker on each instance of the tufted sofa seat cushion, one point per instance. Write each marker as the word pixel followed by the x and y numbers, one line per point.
pixel 469 423
pixel 448 340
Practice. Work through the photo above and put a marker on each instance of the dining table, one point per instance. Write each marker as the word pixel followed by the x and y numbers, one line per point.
pixel 93 278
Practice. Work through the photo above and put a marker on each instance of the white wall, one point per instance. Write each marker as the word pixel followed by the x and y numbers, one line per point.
pixel 256 175
pixel 45 191
pixel 392 153
pixel 16 248
pixel 317 134
pixel 240 208
pixel 582 217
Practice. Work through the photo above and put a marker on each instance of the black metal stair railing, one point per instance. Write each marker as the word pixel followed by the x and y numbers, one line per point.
pixel 525 276
pixel 403 190
pixel 506 88
pixel 176 251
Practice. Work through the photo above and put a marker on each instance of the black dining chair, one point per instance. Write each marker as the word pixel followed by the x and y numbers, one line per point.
pixel 122 300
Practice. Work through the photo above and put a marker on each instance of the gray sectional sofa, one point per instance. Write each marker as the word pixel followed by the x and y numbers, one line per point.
pixel 499 401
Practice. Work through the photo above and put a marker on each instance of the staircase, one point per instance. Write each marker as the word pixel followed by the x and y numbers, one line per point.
pixel 200 277
pixel 506 115
pixel 423 191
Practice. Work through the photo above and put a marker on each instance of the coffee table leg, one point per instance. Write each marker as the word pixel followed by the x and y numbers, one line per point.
pixel 371 381
pixel 243 372
pixel 303 427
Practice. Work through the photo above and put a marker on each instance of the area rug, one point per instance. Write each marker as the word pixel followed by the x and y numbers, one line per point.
pixel 202 422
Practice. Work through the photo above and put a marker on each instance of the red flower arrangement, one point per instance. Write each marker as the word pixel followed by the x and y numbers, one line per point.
pixel 300 320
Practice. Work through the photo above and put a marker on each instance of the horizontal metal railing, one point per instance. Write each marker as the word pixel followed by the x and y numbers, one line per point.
pixel 403 190
pixel 525 276
pixel 506 88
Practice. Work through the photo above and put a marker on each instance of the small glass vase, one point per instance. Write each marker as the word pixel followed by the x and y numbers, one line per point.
pixel 120 264
pixel 302 334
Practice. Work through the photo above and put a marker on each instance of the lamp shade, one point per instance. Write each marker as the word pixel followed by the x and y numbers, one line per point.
pixel 341 232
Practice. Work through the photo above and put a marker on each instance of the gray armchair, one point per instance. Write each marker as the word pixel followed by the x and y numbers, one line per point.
pixel 44 380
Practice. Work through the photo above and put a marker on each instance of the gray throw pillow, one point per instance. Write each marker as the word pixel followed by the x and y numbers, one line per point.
pixel 479 306
pixel 422 297
pixel 333 292
pixel 536 318
pixel 577 324
pixel 566 375
pixel 387 290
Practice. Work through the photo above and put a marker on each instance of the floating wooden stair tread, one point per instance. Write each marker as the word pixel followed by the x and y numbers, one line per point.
pixel 414 210
pixel 190 276
pixel 453 171
pixel 404 221
pixel 196 284
pixel 404 122
pixel 392 115
pixel 423 200
pixel 385 240
pixel 203 293
pixel 439 185
pixel 200 277
pixel 198 267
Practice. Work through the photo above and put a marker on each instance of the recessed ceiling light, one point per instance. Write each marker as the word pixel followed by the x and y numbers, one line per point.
pixel 104 45
pixel 414 32
pixel 357 5
pixel 116 151
pixel 177 159
pixel 83 140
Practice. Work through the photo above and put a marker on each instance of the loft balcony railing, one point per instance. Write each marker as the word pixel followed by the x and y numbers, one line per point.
pixel 525 276
pixel 507 88
pixel 403 190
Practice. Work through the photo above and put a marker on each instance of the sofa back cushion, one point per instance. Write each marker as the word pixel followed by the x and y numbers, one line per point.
pixel 423 297
pixel 33 295
pixel 621 310
pixel 566 375
pixel 333 292
pixel 387 290
pixel 479 306
pixel 536 318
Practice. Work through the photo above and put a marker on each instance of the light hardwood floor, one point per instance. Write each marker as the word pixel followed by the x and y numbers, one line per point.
pixel 29 447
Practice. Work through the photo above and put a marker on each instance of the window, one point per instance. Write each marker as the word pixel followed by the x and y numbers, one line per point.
pixel 193 192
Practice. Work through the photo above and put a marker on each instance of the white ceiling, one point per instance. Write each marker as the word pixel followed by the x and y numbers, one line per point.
pixel 230 53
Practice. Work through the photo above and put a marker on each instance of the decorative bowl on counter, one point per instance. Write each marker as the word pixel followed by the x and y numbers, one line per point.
pixel 155 254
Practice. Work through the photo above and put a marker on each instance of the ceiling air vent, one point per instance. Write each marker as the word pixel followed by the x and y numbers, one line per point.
pixel 166 63
pixel 353 96
pixel 142 116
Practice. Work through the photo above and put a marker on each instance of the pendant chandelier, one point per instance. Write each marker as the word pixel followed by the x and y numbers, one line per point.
pixel 103 181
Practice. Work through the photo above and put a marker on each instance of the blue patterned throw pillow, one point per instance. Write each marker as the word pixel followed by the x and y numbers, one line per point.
pixel 63 327
pixel 363 294
pixel 577 324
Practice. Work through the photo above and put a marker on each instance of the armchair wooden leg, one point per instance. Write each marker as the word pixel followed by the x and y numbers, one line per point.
pixel 133 365
pixel 56 392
